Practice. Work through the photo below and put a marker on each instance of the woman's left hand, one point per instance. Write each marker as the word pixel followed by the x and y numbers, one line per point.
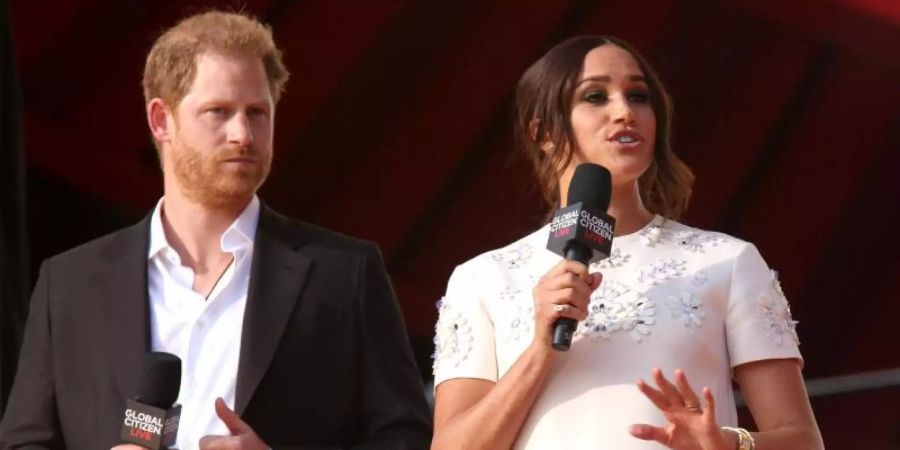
pixel 691 426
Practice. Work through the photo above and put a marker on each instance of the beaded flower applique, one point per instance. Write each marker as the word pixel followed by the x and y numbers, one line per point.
pixel 654 232
pixel 687 307
pixel 661 270
pixel 616 259
pixel 775 313
pixel 515 256
pixel 698 242
pixel 452 337
pixel 614 307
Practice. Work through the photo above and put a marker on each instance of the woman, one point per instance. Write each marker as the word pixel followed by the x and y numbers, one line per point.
pixel 670 302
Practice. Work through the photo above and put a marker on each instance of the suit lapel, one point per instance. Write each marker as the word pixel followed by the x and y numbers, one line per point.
pixel 121 285
pixel 278 274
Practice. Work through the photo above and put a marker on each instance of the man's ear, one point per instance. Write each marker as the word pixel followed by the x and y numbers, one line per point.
pixel 158 119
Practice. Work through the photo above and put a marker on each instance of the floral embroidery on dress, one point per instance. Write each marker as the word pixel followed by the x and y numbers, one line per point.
pixel 599 323
pixel 614 307
pixel 452 337
pixel 775 313
pixel 653 232
pixel 697 241
pixel 615 259
pixel 688 307
pixel 691 241
pixel 509 293
pixel 608 291
pixel 519 324
pixel 634 315
pixel 515 256
pixel 661 270
pixel 700 278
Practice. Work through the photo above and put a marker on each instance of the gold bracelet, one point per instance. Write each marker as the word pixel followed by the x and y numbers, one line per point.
pixel 745 439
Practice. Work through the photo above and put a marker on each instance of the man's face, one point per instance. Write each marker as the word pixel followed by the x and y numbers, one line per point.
pixel 221 141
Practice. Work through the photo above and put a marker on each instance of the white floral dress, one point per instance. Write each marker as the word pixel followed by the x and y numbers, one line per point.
pixel 672 297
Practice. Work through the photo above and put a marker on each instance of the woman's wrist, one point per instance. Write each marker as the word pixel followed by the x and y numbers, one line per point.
pixel 730 438
pixel 541 351
pixel 745 440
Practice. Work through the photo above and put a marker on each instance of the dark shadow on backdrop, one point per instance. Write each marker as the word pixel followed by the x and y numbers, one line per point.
pixel 13 259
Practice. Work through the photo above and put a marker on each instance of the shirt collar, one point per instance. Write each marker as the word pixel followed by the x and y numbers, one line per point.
pixel 239 235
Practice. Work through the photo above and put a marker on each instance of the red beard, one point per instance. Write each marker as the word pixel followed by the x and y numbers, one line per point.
pixel 212 182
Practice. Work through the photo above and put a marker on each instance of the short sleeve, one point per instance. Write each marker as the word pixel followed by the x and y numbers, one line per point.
pixel 758 322
pixel 464 335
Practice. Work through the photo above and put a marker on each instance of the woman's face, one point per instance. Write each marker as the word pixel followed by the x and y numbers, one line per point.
pixel 612 118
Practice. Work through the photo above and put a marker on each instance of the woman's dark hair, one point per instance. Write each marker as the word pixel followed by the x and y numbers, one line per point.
pixel 543 110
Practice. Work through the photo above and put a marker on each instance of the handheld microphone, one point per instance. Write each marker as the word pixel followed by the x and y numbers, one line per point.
pixel 582 231
pixel 151 419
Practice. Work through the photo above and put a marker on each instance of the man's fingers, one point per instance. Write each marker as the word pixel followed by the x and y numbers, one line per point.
pixel 214 442
pixel 649 433
pixel 230 418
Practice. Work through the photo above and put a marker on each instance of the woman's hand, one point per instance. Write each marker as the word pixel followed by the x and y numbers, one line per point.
pixel 563 292
pixel 691 426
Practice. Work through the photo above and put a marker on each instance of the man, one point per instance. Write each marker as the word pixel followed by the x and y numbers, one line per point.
pixel 290 335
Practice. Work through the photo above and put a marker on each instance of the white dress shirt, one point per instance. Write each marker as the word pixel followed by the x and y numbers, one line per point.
pixel 204 333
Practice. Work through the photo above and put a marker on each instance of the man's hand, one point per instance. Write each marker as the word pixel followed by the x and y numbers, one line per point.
pixel 242 436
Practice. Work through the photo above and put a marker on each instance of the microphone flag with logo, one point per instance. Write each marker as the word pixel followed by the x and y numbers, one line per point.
pixel 151 419
pixel 582 231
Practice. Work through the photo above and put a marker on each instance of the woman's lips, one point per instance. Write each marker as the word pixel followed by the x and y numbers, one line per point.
pixel 626 139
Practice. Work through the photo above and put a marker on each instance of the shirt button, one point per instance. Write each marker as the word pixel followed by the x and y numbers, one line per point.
pixel 200 324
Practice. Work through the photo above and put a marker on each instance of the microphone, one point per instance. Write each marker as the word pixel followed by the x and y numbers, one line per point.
pixel 151 419
pixel 582 231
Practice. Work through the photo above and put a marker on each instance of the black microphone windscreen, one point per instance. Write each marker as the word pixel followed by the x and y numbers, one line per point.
pixel 591 184
pixel 161 380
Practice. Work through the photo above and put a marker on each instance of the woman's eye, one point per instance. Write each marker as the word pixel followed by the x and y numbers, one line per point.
pixel 639 96
pixel 595 96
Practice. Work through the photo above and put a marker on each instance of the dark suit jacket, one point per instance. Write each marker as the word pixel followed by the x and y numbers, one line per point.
pixel 325 362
